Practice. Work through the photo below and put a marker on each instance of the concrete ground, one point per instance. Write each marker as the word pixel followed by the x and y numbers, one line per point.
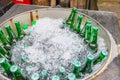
pixel 107 19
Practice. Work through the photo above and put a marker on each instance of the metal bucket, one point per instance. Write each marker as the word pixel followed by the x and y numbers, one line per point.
pixel 29 16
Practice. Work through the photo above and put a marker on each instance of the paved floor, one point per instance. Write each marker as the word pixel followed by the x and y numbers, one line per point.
pixel 107 19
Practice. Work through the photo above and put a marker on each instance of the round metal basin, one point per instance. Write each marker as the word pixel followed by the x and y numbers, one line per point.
pixel 29 16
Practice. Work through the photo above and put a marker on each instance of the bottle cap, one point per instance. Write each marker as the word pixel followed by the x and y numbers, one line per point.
pixel 55 77
pixel 94 29
pixel 33 22
pixel 71 76
pixel 7 26
pixel 88 22
pixel 74 9
pixel 62 69
pixel 90 57
pixel 63 22
pixel 44 72
pixel 24 57
pixel 13 68
pixel 25 26
pixel 104 52
pixel 2 60
pixel 76 63
pixel 35 76
pixel 80 17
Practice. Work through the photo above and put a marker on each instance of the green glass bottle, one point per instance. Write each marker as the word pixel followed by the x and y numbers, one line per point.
pixel 101 56
pixel 78 23
pixel 20 33
pixel 93 40
pixel 55 77
pixel 88 33
pixel 76 65
pixel 11 35
pixel 71 76
pixel 88 64
pixel 44 74
pixel 3 39
pixel 4 52
pixel 83 31
pixel 5 65
pixel 35 76
pixel 17 73
pixel 71 17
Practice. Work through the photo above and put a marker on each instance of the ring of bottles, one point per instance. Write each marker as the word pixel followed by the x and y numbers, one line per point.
pixel 89 33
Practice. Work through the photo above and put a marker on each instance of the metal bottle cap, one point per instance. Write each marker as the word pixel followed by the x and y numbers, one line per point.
pixel 71 76
pixel 35 76
pixel 55 77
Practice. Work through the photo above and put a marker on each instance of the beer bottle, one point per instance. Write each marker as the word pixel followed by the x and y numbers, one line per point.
pixel 82 33
pixel 33 22
pixel 5 65
pixel 4 52
pixel 35 76
pixel 11 35
pixel 88 32
pixel 71 76
pixel 17 73
pixel 101 56
pixel 3 39
pixel 71 17
pixel 20 33
pixel 88 64
pixel 76 65
pixel 78 23
pixel 93 39
pixel 44 74
pixel 55 77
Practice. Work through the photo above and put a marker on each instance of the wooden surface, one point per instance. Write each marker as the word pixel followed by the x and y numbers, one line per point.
pixel 107 19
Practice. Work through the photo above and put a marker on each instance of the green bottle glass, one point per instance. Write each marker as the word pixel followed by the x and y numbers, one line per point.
pixel 62 70
pixel 4 52
pixel 19 30
pixel 33 22
pixel 55 77
pixel 78 23
pixel 24 57
pixel 44 74
pixel 88 32
pixel 93 40
pixel 71 76
pixel 83 31
pixel 3 39
pixel 1 56
pixel 11 35
pixel 17 73
pixel 25 26
pixel 35 76
pixel 100 57
pixel 71 17
pixel 76 65
pixel 88 64
pixel 5 65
